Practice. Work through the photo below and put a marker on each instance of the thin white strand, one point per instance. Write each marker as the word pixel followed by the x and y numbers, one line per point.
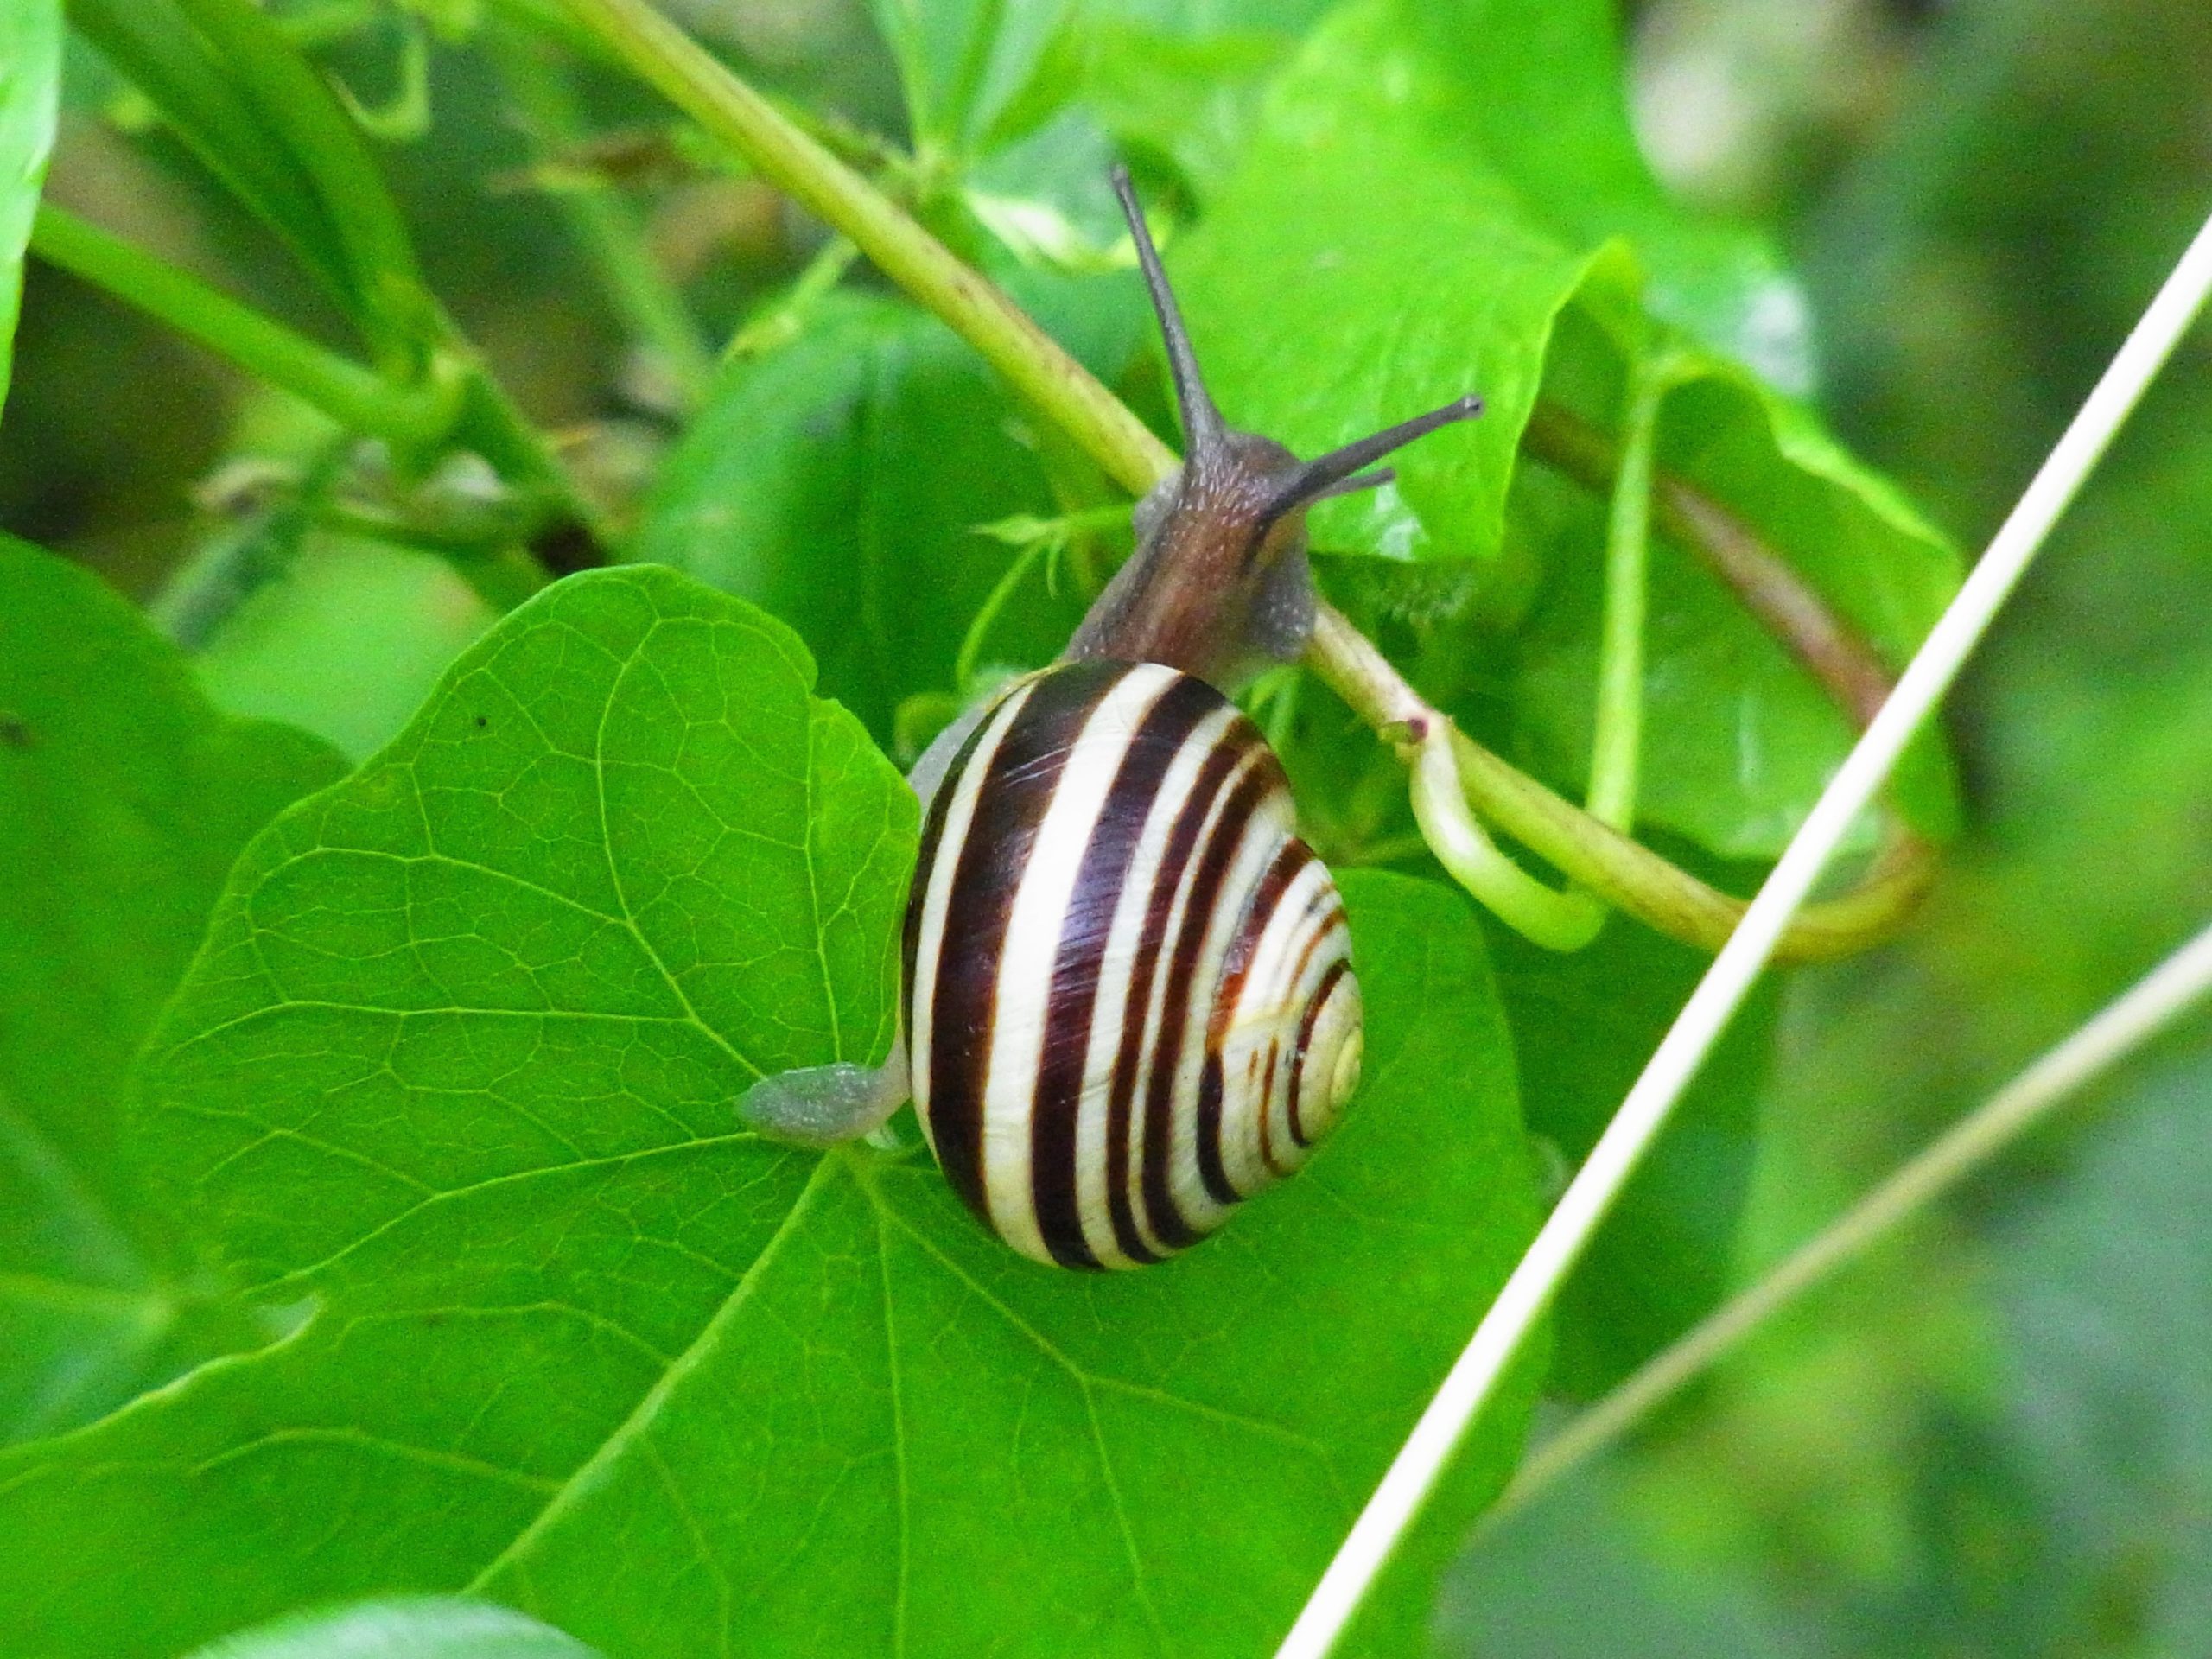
pixel 1527 1293
pixel 2116 1030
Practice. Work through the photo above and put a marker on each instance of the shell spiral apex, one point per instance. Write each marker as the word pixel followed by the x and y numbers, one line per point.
pixel 1130 1002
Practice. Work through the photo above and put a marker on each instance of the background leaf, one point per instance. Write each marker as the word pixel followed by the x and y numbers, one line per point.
pixel 459 1061
pixel 839 480
pixel 245 100
pixel 964 63
pixel 30 95
pixel 1551 114
pixel 1362 265
pixel 345 642
pixel 1583 1026
pixel 124 797
pixel 160 54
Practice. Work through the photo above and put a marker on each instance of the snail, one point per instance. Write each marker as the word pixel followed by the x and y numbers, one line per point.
pixel 1127 994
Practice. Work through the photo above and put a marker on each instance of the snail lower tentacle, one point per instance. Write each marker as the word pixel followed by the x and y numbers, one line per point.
pixel 822 1106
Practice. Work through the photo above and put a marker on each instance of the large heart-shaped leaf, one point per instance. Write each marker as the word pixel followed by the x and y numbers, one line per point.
pixel 458 1061
pixel 123 798
pixel 30 93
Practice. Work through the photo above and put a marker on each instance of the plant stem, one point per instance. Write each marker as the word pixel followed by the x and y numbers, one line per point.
pixel 603 224
pixel 1625 873
pixel 1616 739
pixel 226 570
pixel 1565 921
pixel 781 319
pixel 1557 921
pixel 2178 984
pixel 1560 1243
pixel 355 397
pixel 971 642
pixel 490 423
pixel 664 56
pixel 1036 538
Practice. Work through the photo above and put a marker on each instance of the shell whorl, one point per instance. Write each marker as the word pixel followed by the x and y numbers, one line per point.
pixel 1128 995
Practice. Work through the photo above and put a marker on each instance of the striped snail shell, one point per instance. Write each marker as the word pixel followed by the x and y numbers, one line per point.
pixel 1130 1002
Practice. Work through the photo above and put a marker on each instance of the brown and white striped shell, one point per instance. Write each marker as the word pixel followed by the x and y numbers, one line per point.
pixel 1130 1002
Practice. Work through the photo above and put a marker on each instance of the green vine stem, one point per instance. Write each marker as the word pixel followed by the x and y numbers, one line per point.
pixel 1601 860
pixel 492 425
pixel 1616 738
pixel 1623 872
pixel 1570 920
pixel 356 396
pixel 1557 921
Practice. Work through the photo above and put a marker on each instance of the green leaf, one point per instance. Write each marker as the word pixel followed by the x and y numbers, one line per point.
pixel 1583 1026
pixel 151 45
pixel 1365 264
pixel 1025 110
pixel 459 1062
pixel 1393 239
pixel 838 482
pixel 30 95
pixel 1541 87
pixel 965 64
pixel 1738 740
pixel 345 643
pixel 123 798
pixel 402 1627
pixel 1191 99
pixel 248 103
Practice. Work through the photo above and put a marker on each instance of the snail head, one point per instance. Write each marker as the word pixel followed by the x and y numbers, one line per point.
pixel 1219 577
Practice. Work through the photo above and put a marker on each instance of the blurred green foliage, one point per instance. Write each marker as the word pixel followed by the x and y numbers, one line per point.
pixel 1929 223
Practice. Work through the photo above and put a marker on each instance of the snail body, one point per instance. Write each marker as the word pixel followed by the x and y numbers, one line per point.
pixel 1128 1000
